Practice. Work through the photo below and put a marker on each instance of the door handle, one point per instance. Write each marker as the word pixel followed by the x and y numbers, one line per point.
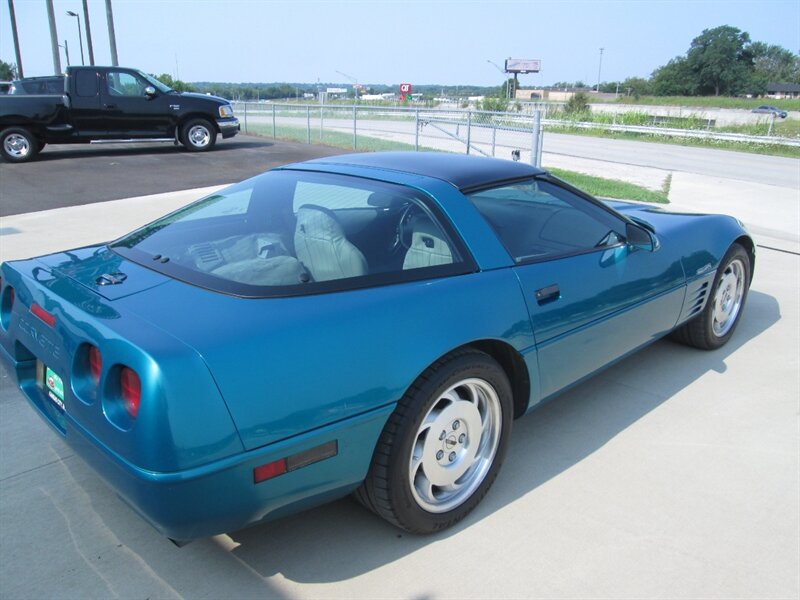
pixel 551 293
pixel 110 105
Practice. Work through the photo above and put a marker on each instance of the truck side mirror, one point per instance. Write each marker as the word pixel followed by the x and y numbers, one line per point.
pixel 150 91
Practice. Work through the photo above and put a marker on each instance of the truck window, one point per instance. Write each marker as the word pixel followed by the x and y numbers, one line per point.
pixel 124 84
pixel 86 84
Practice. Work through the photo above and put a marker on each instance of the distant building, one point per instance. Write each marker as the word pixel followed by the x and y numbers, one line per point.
pixel 783 90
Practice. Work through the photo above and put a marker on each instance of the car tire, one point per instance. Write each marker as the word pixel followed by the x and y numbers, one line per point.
pixel 715 325
pixel 198 135
pixel 18 145
pixel 443 446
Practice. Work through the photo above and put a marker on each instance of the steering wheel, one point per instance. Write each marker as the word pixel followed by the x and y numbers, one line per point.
pixel 402 236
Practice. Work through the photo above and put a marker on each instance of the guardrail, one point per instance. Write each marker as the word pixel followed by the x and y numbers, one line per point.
pixel 516 136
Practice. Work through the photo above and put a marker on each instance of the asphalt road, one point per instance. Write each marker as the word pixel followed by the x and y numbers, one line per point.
pixel 71 175
pixel 743 166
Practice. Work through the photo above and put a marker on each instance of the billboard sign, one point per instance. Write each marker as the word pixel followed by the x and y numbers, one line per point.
pixel 523 65
pixel 336 90
pixel 405 90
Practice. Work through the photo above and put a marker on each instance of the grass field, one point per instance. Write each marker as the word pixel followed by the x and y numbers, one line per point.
pixel 711 101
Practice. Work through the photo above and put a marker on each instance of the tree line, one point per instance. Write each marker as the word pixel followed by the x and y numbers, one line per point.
pixel 722 61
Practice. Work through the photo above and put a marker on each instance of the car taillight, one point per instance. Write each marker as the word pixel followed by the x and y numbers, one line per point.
pixel 131 391
pixel 95 364
pixel 45 317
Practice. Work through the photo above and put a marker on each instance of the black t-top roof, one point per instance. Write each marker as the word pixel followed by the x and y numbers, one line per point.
pixel 461 170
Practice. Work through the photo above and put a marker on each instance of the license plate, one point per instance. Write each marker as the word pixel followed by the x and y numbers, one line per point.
pixel 55 387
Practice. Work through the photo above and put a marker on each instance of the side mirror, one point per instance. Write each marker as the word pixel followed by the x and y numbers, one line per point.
pixel 640 238
pixel 150 91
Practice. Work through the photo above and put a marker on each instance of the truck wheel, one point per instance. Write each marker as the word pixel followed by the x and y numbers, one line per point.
pixel 17 144
pixel 198 135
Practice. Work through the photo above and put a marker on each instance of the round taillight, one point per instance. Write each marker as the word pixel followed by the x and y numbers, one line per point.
pixel 131 391
pixel 95 364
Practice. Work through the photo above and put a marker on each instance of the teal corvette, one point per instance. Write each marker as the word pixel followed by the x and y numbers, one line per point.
pixel 368 324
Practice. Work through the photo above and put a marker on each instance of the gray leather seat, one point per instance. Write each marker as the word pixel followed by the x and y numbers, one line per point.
pixel 428 246
pixel 320 244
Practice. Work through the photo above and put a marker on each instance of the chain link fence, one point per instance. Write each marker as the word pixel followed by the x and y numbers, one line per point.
pixel 503 135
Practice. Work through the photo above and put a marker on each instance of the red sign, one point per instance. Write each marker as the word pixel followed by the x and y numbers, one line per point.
pixel 405 89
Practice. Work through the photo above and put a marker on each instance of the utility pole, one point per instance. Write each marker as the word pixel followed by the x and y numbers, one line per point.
pixel 88 31
pixel 15 37
pixel 51 17
pixel 112 37
pixel 599 69
pixel 66 50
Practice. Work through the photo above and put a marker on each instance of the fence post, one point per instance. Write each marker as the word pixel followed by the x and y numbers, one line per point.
pixel 494 139
pixel 536 159
pixel 308 124
pixel 274 133
pixel 355 138
pixel 469 129
pixel 321 123
pixel 416 130
pixel 245 116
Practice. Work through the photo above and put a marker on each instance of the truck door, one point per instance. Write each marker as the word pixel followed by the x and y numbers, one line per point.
pixel 83 86
pixel 129 111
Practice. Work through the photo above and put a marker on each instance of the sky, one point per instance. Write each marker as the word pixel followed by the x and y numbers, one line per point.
pixel 388 42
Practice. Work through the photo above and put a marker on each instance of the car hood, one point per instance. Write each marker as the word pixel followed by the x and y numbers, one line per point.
pixel 215 99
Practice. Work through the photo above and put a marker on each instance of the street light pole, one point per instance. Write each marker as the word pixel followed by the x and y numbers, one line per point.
pixel 80 36
pixel 15 38
pixel 66 50
pixel 505 75
pixel 599 69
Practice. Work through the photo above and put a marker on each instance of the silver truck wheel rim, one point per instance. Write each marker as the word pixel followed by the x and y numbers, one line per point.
pixel 455 445
pixel 728 298
pixel 16 145
pixel 199 136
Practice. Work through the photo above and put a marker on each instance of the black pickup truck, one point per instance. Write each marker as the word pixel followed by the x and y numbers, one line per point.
pixel 111 103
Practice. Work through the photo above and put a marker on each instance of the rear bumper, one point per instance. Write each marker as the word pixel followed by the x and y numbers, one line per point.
pixel 228 127
pixel 220 496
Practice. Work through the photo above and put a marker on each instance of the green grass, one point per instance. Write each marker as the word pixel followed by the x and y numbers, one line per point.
pixel 711 101
pixel 752 148
pixel 611 188
pixel 330 138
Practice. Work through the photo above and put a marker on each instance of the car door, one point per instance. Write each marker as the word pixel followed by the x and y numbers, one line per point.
pixel 592 296
pixel 129 111
pixel 85 111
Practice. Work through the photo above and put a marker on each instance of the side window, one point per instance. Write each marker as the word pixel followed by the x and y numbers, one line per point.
pixel 86 84
pixel 236 202
pixel 538 219
pixel 333 197
pixel 124 84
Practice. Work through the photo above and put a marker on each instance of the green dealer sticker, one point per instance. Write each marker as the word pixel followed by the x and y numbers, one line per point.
pixel 55 385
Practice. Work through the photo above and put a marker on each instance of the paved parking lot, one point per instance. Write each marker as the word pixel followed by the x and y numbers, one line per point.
pixel 87 173
pixel 674 474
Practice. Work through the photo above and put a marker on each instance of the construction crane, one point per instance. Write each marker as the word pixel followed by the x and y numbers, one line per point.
pixel 356 86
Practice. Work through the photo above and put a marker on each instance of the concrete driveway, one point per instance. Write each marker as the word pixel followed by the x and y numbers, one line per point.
pixel 674 474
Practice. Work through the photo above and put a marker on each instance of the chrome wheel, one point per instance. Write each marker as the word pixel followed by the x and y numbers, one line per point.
pixel 455 445
pixel 17 146
pixel 199 136
pixel 728 297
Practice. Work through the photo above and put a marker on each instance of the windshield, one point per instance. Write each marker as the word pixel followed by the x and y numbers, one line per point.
pixel 161 87
pixel 294 232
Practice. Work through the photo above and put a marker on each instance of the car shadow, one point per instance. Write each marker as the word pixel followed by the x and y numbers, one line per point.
pixel 342 540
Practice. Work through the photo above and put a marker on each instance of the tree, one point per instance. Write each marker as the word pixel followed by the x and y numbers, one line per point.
pixel 721 60
pixel 577 104
pixel 773 63
pixel 635 86
pixel 676 78
pixel 8 71
pixel 175 84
